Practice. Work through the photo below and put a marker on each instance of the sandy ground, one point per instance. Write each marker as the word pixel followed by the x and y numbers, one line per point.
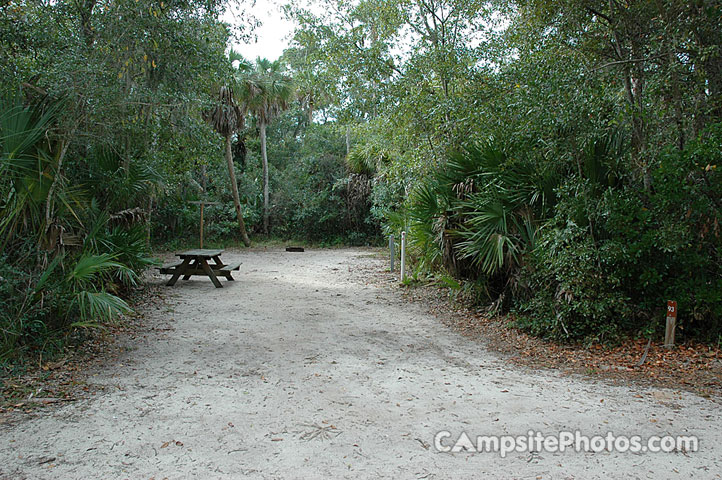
pixel 302 369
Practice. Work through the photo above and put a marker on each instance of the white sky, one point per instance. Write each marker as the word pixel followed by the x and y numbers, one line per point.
pixel 273 36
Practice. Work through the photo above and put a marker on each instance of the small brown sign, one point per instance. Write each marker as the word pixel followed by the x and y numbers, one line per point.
pixel 672 308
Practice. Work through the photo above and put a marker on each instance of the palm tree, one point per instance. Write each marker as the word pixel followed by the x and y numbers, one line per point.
pixel 266 93
pixel 227 117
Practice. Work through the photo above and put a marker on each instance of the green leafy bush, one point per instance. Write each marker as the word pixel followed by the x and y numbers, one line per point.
pixel 574 278
pixel 66 261
pixel 610 258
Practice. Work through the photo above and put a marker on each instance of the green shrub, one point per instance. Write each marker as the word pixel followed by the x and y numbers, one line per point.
pixel 610 258
pixel 477 217
pixel 575 279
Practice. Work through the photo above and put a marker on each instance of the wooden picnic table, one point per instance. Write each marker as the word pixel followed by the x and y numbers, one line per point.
pixel 195 262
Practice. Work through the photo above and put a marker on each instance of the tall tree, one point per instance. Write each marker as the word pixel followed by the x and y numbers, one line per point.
pixel 664 54
pixel 267 92
pixel 227 118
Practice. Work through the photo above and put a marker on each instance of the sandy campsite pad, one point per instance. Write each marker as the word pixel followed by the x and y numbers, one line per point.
pixel 302 368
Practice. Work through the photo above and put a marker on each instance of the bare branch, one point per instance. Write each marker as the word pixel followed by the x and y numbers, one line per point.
pixel 631 60
pixel 600 14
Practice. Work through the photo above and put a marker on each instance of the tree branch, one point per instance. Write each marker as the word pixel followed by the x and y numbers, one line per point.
pixel 631 60
pixel 600 14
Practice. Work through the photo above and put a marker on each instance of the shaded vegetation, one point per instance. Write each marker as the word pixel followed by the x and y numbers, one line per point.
pixel 557 160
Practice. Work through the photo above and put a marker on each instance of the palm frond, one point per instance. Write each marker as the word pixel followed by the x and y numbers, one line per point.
pixel 100 306
pixel 88 266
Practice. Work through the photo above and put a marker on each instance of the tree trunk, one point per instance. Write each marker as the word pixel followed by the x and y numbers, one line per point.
pixel 634 85
pixel 264 156
pixel 49 202
pixel 348 140
pixel 234 188
pixel 676 98
pixel 148 224
pixel 309 112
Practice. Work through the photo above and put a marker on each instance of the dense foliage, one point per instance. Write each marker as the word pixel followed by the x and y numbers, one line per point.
pixel 560 158
pixel 100 101
pixel 114 117
pixel 555 160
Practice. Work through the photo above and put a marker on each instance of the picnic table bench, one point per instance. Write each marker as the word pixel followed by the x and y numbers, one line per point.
pixel 195 262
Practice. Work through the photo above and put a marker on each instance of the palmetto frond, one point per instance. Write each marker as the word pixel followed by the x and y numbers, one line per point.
pixel 227 116
pixel 88 266
pixel 243 64
pixel 95 307
pixel 483 207
pixel 94 304
pixel 266 90
pixel 21 129
pixel 119 182
pixel 28 167
pixel 366 158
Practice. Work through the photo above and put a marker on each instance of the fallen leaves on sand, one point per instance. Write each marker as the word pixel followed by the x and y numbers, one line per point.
pixel 690 366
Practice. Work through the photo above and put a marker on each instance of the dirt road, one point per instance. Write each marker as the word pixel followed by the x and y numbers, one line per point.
pixel 302 370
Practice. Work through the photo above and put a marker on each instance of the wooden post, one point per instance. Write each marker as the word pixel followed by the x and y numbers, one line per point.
pixel 403 255
pixel 202 204
pixel 671 324
pixel 391 250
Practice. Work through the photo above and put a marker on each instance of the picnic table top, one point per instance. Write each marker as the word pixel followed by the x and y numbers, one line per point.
pixel 205 253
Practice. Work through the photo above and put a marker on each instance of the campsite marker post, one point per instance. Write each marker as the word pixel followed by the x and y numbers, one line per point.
pixel 671 323
pixel 391 250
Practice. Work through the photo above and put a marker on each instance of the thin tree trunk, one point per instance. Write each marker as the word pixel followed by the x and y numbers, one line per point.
pixel 264 155
pixel 234 188
pixel 676 98
pixel 348 140
pixel 633 86
pixel 148 224
pixel 49 204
